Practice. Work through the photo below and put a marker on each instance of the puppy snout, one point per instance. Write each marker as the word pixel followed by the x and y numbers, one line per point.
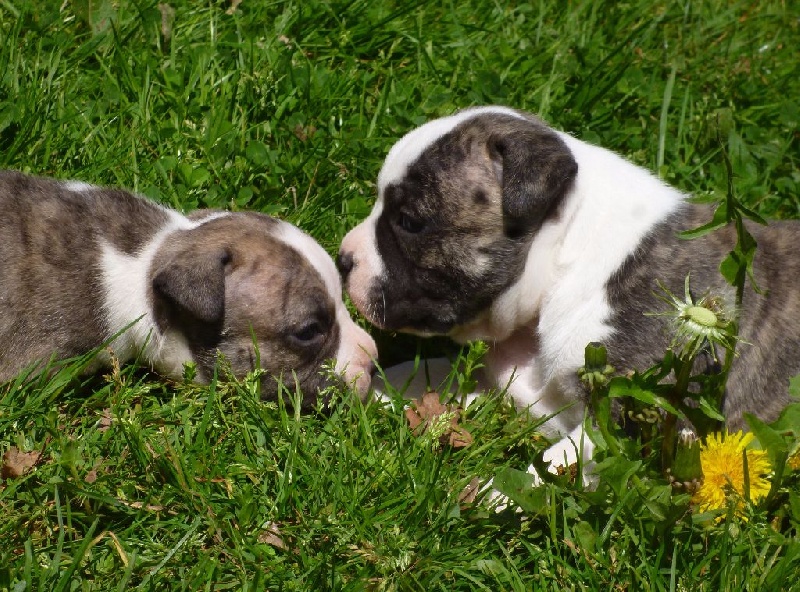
pixel 345 264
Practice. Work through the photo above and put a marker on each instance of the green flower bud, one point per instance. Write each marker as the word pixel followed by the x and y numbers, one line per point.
pixel 687 465
pixel 702 316
pixel 595 356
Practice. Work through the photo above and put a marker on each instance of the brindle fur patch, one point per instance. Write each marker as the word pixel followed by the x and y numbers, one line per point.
pixel 274 292
pixel 50 292
pixel 219 284
pixel 467 190
pixel 770 322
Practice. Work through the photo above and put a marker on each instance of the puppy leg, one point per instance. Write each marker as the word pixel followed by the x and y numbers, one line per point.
pixel 566 453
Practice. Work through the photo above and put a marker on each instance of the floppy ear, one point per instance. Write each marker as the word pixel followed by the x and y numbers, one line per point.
pixel 535 169
pixel 194 284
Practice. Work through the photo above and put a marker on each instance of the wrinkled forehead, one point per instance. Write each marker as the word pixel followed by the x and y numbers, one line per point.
pixel 411 146
pixel 314 253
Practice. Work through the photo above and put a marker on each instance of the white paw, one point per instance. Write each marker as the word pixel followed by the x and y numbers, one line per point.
pixel 566 452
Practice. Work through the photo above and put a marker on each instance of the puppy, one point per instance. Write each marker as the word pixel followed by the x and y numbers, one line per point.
pixel 490 225
pixel 80 264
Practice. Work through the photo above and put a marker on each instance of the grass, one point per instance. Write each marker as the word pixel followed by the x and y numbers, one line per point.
pixel 288 107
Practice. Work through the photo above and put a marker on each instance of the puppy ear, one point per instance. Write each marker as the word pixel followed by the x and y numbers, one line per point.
pixel 193 284
pixel 535 169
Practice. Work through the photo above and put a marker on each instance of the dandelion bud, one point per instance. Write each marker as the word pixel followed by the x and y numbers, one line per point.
pixel 596 370
pixel 702 316
pixel 595 356
pixel 687 466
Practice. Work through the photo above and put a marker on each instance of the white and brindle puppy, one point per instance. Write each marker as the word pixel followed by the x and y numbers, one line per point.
pixel 78 264
pixel 491 225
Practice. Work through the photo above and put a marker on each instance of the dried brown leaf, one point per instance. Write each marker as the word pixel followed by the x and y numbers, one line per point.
pixel 458 437
pixel 105 421
pixel 17 463
pixel 571 471
pixel 470 492
pixel 220 480
pixel 303 133
pixel 234 5
pixel 148 507
pixel 272 535
pixel 413 418
pixel 427 411
pixel 167 19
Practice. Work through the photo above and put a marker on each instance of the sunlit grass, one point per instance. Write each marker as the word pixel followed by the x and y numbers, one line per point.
pixel 288 107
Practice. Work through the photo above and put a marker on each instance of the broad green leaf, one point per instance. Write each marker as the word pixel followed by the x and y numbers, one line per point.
pixel 788 420
pixel 794 505
pixel 520 487
pixel 658 501
pixel 770 440
pixel 710 410
pixel 586 536
pixel 623 388
pixel 616 471
pixel 794 386
pixel 719 220
pixel 732 268
pixel 751 214
pixel 257 153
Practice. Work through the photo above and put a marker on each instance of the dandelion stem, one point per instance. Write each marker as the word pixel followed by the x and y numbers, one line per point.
pixel 677 394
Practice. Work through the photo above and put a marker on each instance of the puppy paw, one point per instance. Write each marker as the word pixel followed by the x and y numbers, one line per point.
pixel 566 453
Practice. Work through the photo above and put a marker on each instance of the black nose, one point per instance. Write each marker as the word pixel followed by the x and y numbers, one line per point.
pixel 344 263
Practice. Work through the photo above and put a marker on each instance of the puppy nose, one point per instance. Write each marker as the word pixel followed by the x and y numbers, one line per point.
pixel 344 263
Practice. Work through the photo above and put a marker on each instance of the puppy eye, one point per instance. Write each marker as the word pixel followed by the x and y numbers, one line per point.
pixel 409 223
pixel 308 333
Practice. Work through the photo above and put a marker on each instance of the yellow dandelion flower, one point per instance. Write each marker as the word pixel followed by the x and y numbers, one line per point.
pixel 794 460
pixel 724 473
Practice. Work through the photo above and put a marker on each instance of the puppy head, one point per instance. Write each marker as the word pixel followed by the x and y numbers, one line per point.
pixel 460 201
pixel 265 295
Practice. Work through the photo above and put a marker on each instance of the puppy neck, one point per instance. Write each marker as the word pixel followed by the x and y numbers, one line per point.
pixel 518 306
pixel 610 209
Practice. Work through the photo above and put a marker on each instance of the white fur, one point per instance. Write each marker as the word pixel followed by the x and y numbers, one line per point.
pixel 361 240
pixel 357 350
pixel 559 304
pixel 313 251
pixel 77 186
pixel 409 148
pixel 561 293
pixel 611 208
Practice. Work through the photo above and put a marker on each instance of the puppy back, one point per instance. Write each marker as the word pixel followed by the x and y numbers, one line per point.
pixel 50 238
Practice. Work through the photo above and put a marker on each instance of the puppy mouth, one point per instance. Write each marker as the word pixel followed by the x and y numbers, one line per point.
pixel 402 305
pixel 313 389
pixel 423 316
pixel 419 332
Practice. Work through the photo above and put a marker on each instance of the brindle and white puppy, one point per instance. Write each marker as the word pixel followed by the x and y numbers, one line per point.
pixel 491 225
pixel 80 263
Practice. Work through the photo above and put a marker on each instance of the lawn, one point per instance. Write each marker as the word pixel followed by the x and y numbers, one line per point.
pixel 288 107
